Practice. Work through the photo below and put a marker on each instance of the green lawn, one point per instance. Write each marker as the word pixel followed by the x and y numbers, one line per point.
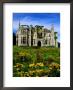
pixel 36 61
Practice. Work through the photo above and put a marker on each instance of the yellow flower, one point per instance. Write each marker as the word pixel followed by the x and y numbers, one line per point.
pixel 19 65
pixel 24 54
pixel 21 54
pixel 39 71
pixel 39 64
pixel 31 65
pixel 54 65
pixel 31 72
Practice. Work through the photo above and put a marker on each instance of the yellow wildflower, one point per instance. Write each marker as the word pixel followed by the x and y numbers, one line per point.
pixel 31 65
pixel 39 64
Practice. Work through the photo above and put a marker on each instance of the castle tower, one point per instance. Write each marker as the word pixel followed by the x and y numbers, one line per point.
pixel 19 24
pixel 52 36
pixel 17 35
pixel 35 37
pixel 30 35
pixel 56 42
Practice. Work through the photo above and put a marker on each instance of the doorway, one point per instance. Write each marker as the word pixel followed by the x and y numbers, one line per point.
pixel 39 43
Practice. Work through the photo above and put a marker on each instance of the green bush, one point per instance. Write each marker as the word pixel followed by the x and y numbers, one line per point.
pixel 36 62
pixel 54 70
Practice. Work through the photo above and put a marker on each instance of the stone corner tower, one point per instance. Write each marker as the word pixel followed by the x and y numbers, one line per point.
pixel 30 35
pixel 52 36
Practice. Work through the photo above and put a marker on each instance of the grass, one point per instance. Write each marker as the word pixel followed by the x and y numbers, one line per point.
pixel 40 58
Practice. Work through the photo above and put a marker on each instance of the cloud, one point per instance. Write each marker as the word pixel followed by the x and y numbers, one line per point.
pixel 31 21
pixel 36 21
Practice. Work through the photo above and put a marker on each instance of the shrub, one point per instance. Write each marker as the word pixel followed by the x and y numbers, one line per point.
pixel 54 70
pixel 25 57
pixel 39 56
pixel 36 62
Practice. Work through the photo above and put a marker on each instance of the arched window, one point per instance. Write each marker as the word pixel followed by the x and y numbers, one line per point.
pixel 24 40
pixel 39 35
pixel 46 41
pixel 34 41
pixel 49 35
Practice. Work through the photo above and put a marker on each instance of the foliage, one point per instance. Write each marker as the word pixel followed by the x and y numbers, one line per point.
pixel 36 62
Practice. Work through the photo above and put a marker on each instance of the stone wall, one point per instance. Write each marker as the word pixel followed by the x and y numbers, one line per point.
pixel 47 40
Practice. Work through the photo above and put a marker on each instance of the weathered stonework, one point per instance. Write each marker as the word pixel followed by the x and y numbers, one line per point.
pixel 36 36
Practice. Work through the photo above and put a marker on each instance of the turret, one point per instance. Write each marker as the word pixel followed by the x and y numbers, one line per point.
pixel 52 36
pixel 55 37
pixel 17 35
pixel 52 29
pixel 19 24
pixel 30 28
pixel 35 36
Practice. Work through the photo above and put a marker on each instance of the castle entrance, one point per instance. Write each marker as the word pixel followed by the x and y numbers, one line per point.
pixel 39 43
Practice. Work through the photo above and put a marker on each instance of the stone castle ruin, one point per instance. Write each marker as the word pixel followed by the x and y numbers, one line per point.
pixel 36 36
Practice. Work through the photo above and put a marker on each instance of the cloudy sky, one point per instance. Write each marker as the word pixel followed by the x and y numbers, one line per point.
pixel 45 19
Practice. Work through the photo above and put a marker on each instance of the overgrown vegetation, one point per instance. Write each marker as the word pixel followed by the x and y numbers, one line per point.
pixel 36 61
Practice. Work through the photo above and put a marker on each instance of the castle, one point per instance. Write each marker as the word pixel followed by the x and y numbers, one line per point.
pixel 36 36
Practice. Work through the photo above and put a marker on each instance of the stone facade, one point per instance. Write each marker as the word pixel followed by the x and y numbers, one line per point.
pixel 36 36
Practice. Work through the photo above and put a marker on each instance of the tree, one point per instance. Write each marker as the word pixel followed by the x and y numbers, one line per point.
pixel 58 44
pixel 55 37
pixel 14 38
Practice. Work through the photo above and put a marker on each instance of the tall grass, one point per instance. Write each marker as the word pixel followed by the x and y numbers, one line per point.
pixel 34 55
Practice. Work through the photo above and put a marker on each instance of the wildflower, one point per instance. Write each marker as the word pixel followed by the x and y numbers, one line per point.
pixel 39 71
pixel 55 65
pixel 39 64
pixel 31 65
